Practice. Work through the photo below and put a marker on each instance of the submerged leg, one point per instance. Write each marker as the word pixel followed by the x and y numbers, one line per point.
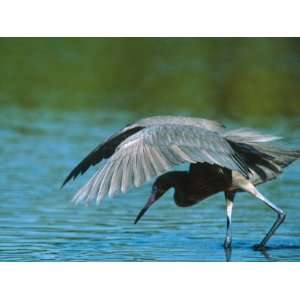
pixel 280 217
pixel 229 196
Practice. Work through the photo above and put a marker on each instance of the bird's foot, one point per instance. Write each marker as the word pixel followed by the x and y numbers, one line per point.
pixel 259 247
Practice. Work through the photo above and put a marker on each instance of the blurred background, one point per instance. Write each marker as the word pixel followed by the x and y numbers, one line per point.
pixel 61 97
pixel 218 77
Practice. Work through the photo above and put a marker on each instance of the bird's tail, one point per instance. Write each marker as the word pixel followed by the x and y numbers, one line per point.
pixel 263 144
pixel 281 157
pixel 266 159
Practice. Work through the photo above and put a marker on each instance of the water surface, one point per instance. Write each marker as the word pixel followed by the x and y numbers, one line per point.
pixel 39 223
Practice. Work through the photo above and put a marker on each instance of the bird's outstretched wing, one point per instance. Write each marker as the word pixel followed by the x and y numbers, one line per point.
pixel 154 150
pixel 108 147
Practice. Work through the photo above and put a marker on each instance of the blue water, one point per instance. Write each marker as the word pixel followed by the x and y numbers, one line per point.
pixel 39 223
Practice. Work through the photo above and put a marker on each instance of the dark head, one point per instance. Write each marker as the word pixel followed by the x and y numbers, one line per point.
pixel 159 187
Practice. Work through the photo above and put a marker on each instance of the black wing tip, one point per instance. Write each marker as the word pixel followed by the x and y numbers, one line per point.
pixel 72 175
pixel 102 151
pixel 63 184
pixel 66 181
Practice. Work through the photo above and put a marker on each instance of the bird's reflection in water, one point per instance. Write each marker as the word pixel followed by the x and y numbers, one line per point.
pixel 228 252
pixel 266 255
pixel 264 252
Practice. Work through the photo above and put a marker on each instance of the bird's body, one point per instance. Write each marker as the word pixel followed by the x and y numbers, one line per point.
pixel 220 160
pixel 199 183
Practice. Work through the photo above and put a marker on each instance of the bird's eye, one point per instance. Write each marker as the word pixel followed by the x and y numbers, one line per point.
pixel 155 189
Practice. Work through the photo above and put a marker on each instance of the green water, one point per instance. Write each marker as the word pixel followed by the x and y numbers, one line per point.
pixel 59 98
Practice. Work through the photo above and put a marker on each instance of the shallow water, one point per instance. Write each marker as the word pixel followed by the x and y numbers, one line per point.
pixel 39 223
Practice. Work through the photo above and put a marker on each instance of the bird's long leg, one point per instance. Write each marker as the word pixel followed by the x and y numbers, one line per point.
pixel 229 196
pixel 280 216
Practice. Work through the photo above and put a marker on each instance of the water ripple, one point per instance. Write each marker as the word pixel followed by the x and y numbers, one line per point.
pixel 38 223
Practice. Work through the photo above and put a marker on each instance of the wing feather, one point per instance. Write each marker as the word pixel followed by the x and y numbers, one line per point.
pixel 138 171
pixel 116 179
pixel 153 162
pixel 148 170
pixel 126 173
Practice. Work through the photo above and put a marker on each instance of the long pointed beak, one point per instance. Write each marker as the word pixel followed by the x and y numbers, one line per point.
pixel 150 201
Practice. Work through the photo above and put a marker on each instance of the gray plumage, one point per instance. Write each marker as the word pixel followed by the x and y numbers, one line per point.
pixel 178 120
pixel 155 150
pixel 162 143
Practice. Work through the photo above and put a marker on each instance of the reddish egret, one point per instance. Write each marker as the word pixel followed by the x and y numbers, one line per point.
pixel 220 160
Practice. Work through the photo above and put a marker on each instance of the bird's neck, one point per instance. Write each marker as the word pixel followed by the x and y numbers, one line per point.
pixel 178 179
pixel 180 184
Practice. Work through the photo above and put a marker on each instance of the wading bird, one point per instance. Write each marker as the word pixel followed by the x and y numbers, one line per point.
pixel 220 161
